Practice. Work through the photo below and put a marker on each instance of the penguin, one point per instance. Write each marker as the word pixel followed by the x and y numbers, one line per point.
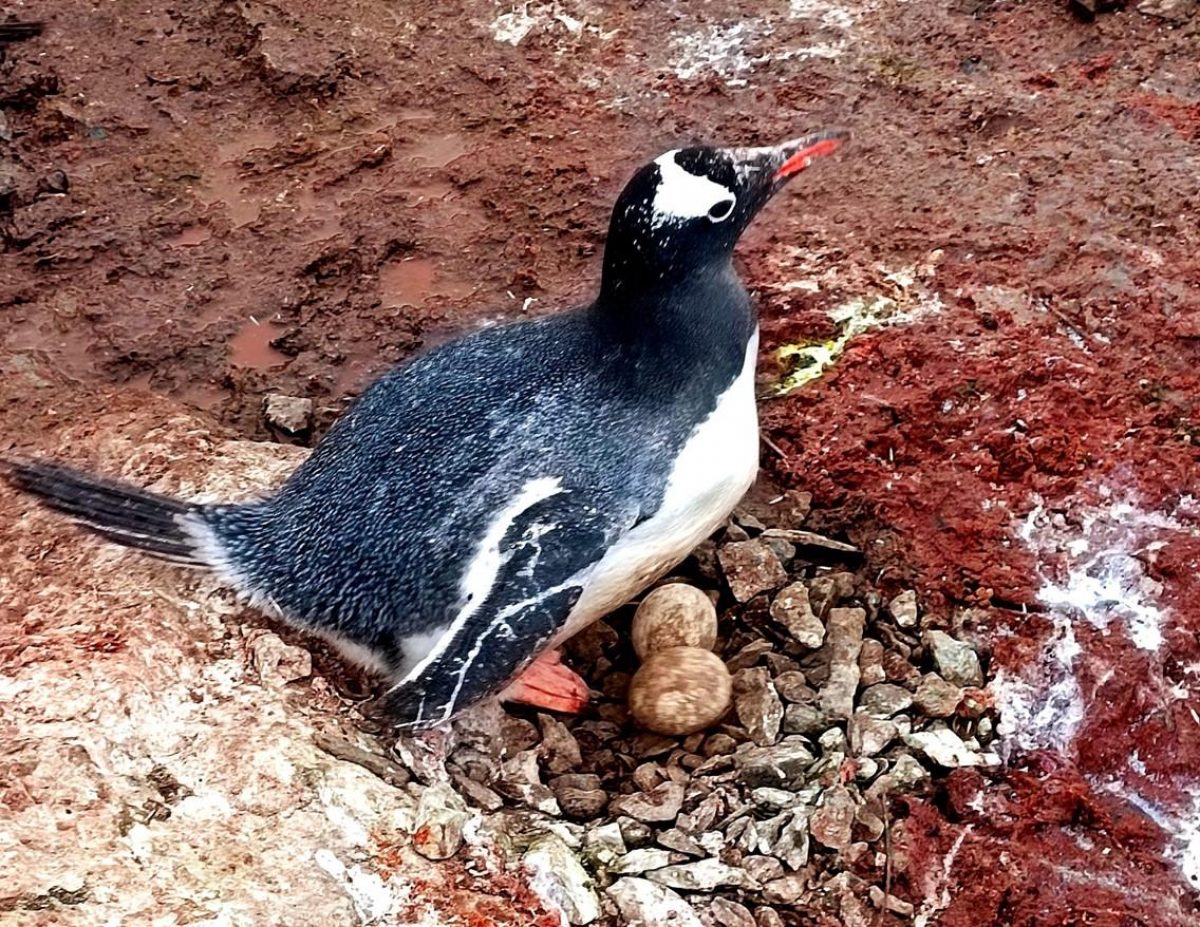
pixel 481 503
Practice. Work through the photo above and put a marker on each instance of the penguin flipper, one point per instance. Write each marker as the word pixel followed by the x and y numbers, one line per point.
pixel 550 550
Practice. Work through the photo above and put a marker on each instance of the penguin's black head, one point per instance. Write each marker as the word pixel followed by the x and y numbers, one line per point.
pixel 686 209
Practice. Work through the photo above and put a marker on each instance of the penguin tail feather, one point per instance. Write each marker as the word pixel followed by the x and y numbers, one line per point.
pixel 154 524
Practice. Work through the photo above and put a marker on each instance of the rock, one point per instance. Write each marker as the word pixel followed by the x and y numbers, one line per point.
pixel 792 686
pixel 786 890
pixel 898 668
pixel 580 796
pixel 831 823
pixel 845 636
pixel 675 839
pixel 520 781
pixel 885 700
pixel 833 741
pixel 674 615
pixel 642 903
pixel 804 719
pixel 439 822
pixel 944 747
pixel 935 697
pixel 728 913
pixel 781 766
pixel 870 663
pixel 1175 11
pixel 792 610
pixel 763 868
pixel 870 825
pixel 703 816
pixel 903 609
pixel 748 655
pixel 680 690
pixel 769 799
pixel 750 567
pixel 890 902
pixel 660 804
pixel 719 745
pixel 634 832
pixel 558 878
pixel 477 793
pixel 757 705
pixel 559 750
pixel 703 876
pixel 604 845
pixel 278 663
pixel 870 736
pixel 290 414
pixel 955 661
pixel 791 846
pixel 767 917
pixel 907 772
pixel 640 860
pixel 826 591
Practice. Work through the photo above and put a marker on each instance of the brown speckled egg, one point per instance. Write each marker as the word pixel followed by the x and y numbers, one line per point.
pixel 680 690
pixel 675 615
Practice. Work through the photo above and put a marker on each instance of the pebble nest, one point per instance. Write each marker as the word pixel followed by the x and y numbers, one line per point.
pixel 783 812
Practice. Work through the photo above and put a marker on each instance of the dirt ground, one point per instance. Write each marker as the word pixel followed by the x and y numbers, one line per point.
pixel 218 200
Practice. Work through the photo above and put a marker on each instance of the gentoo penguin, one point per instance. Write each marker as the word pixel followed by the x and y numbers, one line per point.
pixel 482 502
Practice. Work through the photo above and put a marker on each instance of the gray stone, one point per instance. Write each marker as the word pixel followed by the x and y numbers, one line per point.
pixel 728 913
pixel 793 686
pixel 643 859
pixel 870 663
pixel 904 609
pixel 681 842
pixel 885 700
pixel 559 750
pixel 1175 11
pixel 826 591
pixel 604 845
pixel 844 641
pixel 559 879
pixel 757 705
pixel 749 655
pixel 791 609
pixel 804 719
pixel 870 736
pixel 786 890
pixel 439 822
pixel 703 876
pixel 642 903
pixel 763 868
pixel 890 902
pixel 520 780
pixel 580 796
pixel 791 845
pixel 781 766
pixel 635 833
pixel 831 823
pixel 288 413
pixel 662 803
pixel 954 659
pixel 767 917
pixel 769 799
pixel 936 697
pixel 750 567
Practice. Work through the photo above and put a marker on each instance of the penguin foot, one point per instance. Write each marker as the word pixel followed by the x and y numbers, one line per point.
pixel 548 683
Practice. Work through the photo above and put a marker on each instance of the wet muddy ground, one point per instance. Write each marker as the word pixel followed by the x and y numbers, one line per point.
pixel 223 200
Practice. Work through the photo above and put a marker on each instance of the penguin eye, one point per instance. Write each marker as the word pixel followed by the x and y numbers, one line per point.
pixel 721 210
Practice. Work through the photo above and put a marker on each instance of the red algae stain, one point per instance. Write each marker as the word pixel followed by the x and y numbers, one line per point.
pixel 1181 116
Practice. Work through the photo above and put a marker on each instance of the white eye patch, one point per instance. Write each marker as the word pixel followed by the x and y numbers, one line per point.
pixel 683 195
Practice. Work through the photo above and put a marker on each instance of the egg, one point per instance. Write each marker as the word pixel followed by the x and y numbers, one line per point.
pixel 680 690
pixel 675 615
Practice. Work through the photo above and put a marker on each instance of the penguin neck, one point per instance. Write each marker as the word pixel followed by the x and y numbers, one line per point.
pixel 694 315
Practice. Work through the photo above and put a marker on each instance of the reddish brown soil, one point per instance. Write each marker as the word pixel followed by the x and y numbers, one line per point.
pixel 216 200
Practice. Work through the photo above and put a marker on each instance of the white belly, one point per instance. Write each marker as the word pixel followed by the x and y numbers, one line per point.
pixel 714 470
